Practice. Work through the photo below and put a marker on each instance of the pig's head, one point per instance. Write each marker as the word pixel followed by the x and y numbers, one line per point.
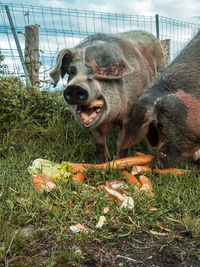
pixel 148 120
pixel 142 122
pixel 95 91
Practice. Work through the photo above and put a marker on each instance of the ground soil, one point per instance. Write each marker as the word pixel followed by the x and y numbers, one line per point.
pixel 178 248
pixel 145 250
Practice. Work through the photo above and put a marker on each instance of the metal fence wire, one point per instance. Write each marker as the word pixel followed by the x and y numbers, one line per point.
pixel 61 28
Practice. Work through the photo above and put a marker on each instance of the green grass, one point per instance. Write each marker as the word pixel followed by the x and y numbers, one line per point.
pixel 45 132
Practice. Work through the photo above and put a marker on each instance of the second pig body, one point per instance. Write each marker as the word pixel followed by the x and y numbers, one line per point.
pixel 169 112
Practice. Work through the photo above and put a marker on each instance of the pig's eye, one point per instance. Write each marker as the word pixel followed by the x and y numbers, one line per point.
pixel 72 71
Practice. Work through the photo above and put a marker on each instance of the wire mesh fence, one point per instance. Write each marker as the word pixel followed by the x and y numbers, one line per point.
pixel 61 28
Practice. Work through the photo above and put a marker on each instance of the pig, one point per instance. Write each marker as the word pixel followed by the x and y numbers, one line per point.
pixel 168 113
pixel 107 73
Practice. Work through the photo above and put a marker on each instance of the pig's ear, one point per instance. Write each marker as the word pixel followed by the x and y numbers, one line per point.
pixel 107 62
pixel 64 58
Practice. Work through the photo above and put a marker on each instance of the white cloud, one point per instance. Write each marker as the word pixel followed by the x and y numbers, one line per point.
pixel 180 9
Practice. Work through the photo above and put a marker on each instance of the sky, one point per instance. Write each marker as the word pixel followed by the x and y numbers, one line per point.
pixel 183 10
pixel 178 9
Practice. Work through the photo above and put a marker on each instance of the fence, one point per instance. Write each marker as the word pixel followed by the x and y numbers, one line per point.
pixel 61 28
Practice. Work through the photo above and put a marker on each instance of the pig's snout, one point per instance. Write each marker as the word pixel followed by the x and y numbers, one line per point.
pixel 75 95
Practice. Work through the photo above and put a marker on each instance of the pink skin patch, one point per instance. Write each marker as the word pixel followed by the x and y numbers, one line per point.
pixel 193 119
pixel 193 110
pixel 146 116
pixel 113 70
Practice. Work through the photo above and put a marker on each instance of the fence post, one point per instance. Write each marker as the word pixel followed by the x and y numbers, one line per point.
pixel 17 43
pixel 166 47
pixel 32 53
pixel 157 26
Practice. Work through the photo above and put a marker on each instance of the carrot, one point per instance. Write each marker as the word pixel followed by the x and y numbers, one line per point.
pixel 43 183
pixel 145 181
pixel 79 177
pixel 146 185
pixel 152 208
pixel 124 162
pixel 119 163
pixel 170 170
pixel 79 167
pixel 131 179
pixel 145 169
pixel 140 169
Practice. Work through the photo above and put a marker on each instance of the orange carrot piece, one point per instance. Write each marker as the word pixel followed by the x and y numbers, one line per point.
pixel 43 183
pixel 152 208
pixel 145 169
pixel 79 167
pixel 79 177
pixel 140 169
pixel 131 179
pixel 124 162
pixel 170 170
pixel 119 163
pixel 145 181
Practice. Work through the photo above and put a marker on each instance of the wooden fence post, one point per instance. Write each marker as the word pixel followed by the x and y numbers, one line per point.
pixel 166 47
pixel 32 53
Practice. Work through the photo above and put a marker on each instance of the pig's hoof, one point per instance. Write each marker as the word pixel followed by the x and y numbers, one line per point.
pixel 102 159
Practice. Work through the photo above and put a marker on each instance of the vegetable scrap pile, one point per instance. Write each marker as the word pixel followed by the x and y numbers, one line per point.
pixel 47 173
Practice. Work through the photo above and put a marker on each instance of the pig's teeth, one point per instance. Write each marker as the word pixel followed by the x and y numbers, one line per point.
pixel 98 110
pixel 100 105
pixel 88 121
pixel 79 112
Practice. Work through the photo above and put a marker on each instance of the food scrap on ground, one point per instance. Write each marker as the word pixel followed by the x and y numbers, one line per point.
pixel 145 169
pixel 114 193
pixel 78 177
pixel 128 203
pixel 43 183
pixel 80 228
pixel 101 221
pixel 46 172
pixel 54 171
pixel 131 179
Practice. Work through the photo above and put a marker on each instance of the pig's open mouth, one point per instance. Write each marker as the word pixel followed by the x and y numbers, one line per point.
pixel 89 115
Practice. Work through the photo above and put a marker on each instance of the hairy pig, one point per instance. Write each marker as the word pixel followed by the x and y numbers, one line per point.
pixel 168 114
pixel 106 76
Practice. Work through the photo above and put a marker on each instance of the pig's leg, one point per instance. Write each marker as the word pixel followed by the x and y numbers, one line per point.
pixel 123 144
pixel 166 156
pixel 100 138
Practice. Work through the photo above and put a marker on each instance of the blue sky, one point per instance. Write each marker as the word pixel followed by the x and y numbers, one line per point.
pixel 179 9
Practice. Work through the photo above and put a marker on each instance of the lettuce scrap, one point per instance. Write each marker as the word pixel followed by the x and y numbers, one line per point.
pixel 53 170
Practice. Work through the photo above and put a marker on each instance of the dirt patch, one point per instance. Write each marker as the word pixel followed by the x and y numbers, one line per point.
pixel 144 250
